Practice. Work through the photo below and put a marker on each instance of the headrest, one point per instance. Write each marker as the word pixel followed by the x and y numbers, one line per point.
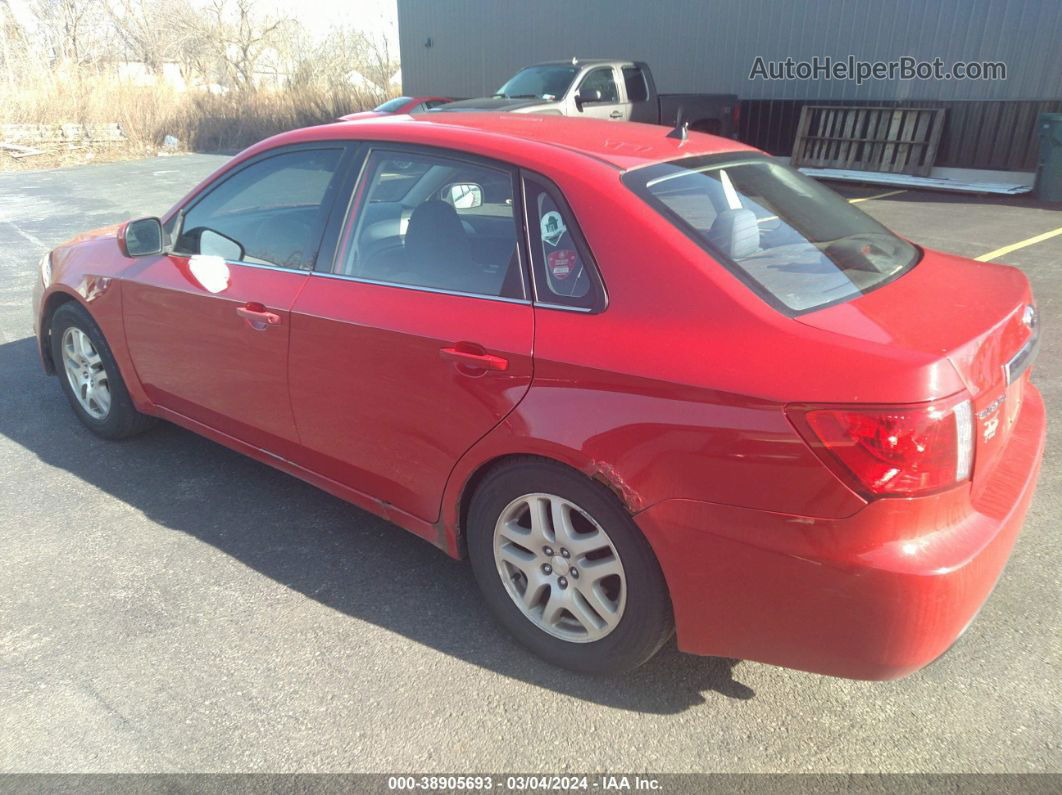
pixel 735 233
pixel 435 225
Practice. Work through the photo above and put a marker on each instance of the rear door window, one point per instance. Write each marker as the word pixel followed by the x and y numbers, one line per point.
pixel 637 91
pixel 435 222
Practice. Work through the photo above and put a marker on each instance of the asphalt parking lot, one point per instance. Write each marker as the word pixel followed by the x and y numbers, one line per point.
pixel 168 605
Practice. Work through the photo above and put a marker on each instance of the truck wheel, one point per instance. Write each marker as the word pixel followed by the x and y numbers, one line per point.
pixel 564 568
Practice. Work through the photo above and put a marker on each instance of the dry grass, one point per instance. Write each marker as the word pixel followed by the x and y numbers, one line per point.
pixel 211 122
pixel 201 121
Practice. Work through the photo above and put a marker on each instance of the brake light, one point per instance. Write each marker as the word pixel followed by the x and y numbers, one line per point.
pixel 898 451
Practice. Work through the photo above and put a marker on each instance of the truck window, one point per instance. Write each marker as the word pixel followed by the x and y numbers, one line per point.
pixel 545 82
pixel 602 80
pixel 637 90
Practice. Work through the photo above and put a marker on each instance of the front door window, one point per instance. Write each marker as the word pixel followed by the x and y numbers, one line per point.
pixel 270 213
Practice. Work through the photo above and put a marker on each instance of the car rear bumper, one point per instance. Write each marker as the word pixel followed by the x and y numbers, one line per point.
pixel 876 595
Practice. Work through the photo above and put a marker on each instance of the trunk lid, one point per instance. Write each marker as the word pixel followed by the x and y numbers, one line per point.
pixel 973 314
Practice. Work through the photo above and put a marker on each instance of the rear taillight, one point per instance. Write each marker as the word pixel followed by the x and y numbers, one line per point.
pixel 898 451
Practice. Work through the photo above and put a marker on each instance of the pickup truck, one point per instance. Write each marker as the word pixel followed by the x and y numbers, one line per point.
pixel 605 89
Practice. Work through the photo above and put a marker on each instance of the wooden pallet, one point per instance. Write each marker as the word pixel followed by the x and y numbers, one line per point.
pixel 893 140
pixel 25 140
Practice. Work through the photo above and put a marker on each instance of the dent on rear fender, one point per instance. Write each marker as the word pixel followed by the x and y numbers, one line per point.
pixel 605 473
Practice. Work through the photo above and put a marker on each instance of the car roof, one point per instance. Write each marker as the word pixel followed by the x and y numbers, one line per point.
pixel 623 145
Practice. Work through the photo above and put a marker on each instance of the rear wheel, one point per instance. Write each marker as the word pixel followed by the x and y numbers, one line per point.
pixel 565 569
pixel 89 376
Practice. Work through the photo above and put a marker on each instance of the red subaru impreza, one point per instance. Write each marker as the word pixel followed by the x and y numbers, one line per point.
pixel 645 383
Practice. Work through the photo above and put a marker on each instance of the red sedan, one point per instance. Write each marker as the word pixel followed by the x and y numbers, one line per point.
pixel 399 105
pixel 645 383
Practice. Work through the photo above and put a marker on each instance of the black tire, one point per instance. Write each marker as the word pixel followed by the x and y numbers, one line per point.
pixel 646 622
pixel 122 420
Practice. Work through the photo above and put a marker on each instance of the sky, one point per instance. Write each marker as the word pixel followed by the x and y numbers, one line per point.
pixel 377 17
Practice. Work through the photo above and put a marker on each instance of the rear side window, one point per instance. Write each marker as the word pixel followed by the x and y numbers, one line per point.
pixel 798 244
pixel 633 78
pixel 564 272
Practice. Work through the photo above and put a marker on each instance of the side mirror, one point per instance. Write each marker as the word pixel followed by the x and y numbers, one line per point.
pixel 465 195
pixel 215 244
pixel 141 237
pixel 587 95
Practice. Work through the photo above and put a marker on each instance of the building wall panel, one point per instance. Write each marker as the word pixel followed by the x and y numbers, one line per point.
pixel 709 46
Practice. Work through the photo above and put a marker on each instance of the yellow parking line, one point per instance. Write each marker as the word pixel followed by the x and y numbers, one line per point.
pixel 999 252
pixel 879 196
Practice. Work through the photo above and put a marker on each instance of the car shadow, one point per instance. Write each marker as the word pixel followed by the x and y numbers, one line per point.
pixel 320 546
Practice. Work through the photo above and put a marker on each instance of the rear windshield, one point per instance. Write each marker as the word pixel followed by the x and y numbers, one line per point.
pixel 392 105
pixel 795 242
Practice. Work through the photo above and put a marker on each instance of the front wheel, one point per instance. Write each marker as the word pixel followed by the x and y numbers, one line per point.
pixel 89 376
pixel 566 570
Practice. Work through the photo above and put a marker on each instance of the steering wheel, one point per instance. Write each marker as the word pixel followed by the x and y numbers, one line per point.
pixel 272 235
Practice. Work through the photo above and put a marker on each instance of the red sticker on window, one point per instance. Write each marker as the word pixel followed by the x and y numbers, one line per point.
pixel 561 263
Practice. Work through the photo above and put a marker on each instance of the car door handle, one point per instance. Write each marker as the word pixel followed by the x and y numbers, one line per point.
pixel 474 358
pixel 615 114
pixel 257 316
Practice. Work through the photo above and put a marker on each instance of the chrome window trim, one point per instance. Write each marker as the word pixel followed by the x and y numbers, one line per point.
pixel 529 266
pixel 243 264
pixel 585 310
pixel 420 289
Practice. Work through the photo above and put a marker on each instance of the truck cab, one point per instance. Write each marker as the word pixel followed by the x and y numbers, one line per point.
pixel 613 90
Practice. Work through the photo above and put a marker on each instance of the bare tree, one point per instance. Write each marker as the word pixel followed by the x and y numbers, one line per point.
pixel 346 61
pixel 376 60
pixel 14 45
pixel 243 34
pixel 150 30
pixel 73 30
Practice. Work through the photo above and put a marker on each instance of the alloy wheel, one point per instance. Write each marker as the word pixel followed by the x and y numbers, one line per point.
pixel 560 567
pixel 86 373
